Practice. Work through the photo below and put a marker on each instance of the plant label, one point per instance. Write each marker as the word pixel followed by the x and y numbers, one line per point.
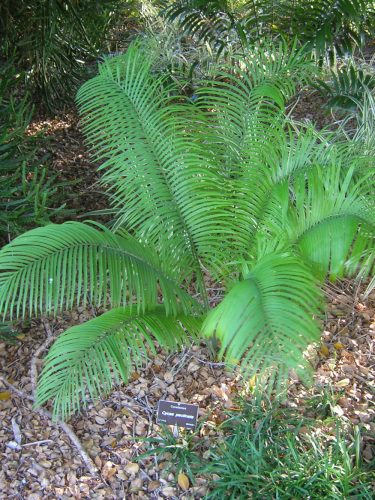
pixel 177 414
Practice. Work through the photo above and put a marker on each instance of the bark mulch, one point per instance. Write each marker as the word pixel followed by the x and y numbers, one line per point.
pixel 111 430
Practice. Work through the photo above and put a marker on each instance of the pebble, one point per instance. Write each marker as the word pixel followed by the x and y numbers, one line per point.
pixel 168 491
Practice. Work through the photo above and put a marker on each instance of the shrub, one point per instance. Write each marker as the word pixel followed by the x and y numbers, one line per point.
pixel 222 186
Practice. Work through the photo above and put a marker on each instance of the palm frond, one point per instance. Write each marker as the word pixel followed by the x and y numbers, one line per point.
pixel 335 222
pixel 267 320
pixel 210 20
pixel 346 87
pixel 244 105
pixel 325 26
pixel 51 41
pixel 58 266
pixel 86 360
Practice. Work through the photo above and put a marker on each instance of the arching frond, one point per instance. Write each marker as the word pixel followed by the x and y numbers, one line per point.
pixel 334 224
pixel 266 320
pixel 164 185
pixel 58 266
pixel 327 216
pixel 244 105
pixel 86 360
pixel 210 20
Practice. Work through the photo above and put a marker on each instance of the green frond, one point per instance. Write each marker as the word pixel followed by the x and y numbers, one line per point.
pixel 333 222
pixel 325 26
pixel 162 179
pixel 209 20
pixel 316 199
pixel 86 360
pixel 267 320
pixel 56 267
pixel 243 131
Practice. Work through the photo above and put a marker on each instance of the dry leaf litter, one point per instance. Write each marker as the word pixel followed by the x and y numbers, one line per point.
pixel 46 465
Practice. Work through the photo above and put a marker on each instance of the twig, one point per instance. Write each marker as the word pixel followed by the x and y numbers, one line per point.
pixel 33 369
pixel 16 391
pixel 35 443
pixel 45 413
pixel 74 440
pixel 211 363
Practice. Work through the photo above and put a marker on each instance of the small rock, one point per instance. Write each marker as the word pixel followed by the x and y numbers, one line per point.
pixel 46 464
pixel 168 491
pixel 121 475
pixel 343 383
pixel 100 420
pixel 136 485
pixel 192 367
pixel 109 470
pixel 368 453
pixel 13 445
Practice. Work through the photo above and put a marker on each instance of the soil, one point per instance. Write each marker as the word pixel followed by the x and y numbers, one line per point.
pixel 68 159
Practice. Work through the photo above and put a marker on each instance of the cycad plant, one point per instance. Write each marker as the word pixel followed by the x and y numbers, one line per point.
pixel 347 87
pixel 325 26
pixel 219 187
pixel 52 39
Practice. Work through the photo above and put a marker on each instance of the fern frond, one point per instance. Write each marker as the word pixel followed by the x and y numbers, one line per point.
pixel 59 266
pixel 86 360
pixel 266 320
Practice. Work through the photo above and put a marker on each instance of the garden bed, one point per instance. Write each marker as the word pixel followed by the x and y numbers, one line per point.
pixel 112 430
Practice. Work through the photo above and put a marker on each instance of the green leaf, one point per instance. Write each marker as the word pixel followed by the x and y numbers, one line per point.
pixel 332 222
pixel 88 359
pixel 57 267
pixel 163 183
pixel 267 320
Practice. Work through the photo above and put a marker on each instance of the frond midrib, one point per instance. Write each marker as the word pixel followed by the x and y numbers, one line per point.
pixel 330 217
pixel 99 341
pixel 170 190
pixel 92 245
pixel 161 168
pixel 115 330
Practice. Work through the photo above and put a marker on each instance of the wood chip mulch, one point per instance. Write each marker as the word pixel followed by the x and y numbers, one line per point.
pixel 112 429
pixel 62 149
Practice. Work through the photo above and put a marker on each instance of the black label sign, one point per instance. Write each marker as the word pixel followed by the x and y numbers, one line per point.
pixel 180 414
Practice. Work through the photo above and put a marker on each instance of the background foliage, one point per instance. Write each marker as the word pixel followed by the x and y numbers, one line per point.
pixel 326 27
pixel 52 41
